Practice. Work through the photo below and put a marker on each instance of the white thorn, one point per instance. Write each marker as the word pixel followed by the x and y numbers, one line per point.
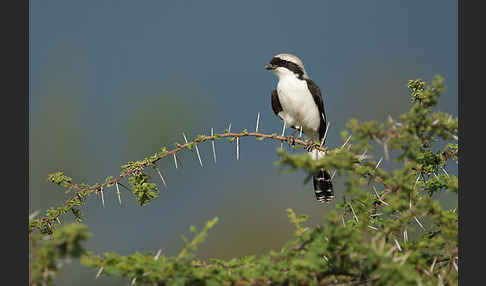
pixel 363 156
pixel 347 140
pixel 99 272
pixel 378 197
pixel 237 148
pixel 354 214
pixel 258 120
pixel 198 156
pixel 418 222
pixel 133 280
pixel 333 173
pixel 175 160
pixel 433 265
pixel 58 220
pixel 212 143
pixel 283 132
pixel 376 193
pixel 229 128
pixel 405 235
pixel 197 149
pixel 300 134
pixel 372 227
pixel 118 192
pixel 344 223
pixel 325 133
pixel 102 198
pixel 385 150
pixel 455 265
pixel 416 181
pixel 445 172
pixel 160 174
pixel 398 245
pixel 379 162
pixel 158 254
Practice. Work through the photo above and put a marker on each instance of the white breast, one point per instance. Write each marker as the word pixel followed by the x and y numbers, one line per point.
pixel 299 108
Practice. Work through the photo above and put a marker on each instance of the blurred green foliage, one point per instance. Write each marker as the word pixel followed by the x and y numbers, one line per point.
pixel 387 231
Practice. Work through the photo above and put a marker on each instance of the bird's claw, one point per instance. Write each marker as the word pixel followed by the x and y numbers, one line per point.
pixel 310 145
pixel 291 140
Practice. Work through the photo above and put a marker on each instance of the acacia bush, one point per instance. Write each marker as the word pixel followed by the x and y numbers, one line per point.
pixel 388 229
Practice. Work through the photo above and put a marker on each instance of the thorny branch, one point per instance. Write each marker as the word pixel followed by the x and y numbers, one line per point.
pixel 179 147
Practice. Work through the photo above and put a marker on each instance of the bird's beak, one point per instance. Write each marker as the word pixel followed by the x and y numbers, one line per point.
pixel 269 67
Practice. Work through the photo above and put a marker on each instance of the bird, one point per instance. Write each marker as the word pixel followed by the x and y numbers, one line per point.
pixel 298 102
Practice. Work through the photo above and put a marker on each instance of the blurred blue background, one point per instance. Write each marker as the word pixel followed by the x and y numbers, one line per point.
pixel 113 81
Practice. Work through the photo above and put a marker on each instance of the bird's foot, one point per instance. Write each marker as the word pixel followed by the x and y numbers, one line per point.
pixel 291 140
pixel 310 145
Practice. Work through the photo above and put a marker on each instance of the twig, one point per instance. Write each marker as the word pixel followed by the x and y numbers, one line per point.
pixel 179 147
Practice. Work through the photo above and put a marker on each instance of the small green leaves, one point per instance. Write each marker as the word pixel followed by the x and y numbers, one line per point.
pixel 142 189
pixel 60 179
pixel 191 145
pixel 189 247
pixel 363 239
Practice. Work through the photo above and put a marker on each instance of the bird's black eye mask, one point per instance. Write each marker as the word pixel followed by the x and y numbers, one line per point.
pixel 278 62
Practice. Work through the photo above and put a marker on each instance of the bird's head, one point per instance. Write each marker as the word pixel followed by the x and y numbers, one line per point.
pixel 287 65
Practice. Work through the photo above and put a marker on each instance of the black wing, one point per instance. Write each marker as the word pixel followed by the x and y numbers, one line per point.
pixel 316 94
pixel 277 108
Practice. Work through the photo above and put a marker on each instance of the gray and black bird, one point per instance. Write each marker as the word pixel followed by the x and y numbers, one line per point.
pixel 298 102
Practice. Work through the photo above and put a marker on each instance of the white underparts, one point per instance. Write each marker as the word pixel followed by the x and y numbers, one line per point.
pixel 298 106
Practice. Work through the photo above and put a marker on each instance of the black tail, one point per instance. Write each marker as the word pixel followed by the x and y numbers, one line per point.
pixel 323 186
